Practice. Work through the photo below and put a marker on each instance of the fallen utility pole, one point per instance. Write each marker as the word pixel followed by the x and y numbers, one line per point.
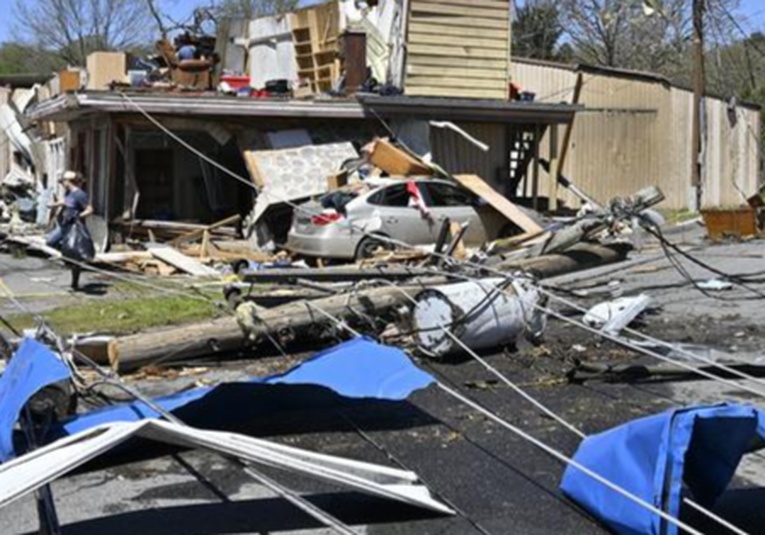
pixel 699 83
pixel 301 319
pixel 579 258
pixel 129 353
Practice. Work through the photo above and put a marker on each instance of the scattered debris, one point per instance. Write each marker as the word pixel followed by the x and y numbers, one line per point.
pixel 715 285
pixel 613 316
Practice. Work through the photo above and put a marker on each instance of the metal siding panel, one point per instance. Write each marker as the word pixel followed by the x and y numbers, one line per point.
pixel 457 155
pixel 619 154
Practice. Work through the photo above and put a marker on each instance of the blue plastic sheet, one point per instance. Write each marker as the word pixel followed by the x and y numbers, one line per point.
pixel 32 368
pixel 653 457
pixel 357 369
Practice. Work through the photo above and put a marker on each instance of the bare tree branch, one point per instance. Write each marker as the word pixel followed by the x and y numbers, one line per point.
pixel 72 29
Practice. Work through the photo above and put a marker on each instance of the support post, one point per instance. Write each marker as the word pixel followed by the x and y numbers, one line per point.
pixel 535 170
pixel 699 78
pixel 554 169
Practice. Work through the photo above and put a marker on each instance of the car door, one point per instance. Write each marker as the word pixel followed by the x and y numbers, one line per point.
pixel 400 218
pixel 457 204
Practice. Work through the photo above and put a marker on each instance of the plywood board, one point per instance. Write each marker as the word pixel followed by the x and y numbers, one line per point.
pixel 174 257
pixel 105 68
pixel 500 203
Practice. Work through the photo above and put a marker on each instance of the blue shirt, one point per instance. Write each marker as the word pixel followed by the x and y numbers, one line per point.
pixel 75 202
pixel 187 52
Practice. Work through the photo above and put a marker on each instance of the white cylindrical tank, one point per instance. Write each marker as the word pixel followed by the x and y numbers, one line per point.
pixel 483 314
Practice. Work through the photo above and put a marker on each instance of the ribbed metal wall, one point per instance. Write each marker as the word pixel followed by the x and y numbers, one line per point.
pixel 636 132
pixel 457 155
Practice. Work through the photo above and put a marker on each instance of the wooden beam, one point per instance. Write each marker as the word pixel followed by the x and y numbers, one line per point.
pixel 554 169
pixel 500 203
pixel 199 233
pixel 570 127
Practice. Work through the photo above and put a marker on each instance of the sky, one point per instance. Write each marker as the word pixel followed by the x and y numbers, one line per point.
pixel 178 9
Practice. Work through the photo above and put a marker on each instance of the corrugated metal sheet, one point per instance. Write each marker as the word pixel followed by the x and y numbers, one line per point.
pixel 636 132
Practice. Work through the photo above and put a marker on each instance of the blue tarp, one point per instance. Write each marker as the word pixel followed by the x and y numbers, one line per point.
pixel 653 457
pixel 32 368
pixel 357 369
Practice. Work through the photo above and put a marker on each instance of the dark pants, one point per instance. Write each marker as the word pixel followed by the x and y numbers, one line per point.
pixel 53 239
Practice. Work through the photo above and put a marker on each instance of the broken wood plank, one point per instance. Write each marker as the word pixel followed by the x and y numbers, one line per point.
pixel 198 233
pixel 395 161
pixel 175 258
pixel 35 243
pixel 500 203
pixel 121 258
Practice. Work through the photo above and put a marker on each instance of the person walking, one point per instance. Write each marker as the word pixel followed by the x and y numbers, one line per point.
pixel 73 208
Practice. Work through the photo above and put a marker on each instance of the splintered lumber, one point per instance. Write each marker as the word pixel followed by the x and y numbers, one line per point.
pixel 129 353
pixel 175 258
pixel 199 233
pixel 499 202
pixel 122 257
pixel 35 243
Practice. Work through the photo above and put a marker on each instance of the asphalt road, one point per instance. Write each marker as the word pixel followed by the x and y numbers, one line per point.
pixel 500 483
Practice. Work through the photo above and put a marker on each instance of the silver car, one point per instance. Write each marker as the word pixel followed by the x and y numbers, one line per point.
pixel 343 224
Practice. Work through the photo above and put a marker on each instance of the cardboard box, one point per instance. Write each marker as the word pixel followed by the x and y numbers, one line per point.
pixel 105 68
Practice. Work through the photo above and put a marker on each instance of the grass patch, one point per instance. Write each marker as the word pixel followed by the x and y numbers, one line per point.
pixel 123 316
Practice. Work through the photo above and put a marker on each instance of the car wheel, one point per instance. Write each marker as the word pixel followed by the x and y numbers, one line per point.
pixel 368 246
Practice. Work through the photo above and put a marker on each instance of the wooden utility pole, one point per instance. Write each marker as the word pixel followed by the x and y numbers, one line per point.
pixel 699 82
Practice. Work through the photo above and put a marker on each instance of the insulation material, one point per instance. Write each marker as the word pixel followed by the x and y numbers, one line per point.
pixel 10 125
pixel 293 174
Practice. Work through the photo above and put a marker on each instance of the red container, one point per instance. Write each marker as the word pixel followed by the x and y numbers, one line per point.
pixel 236 82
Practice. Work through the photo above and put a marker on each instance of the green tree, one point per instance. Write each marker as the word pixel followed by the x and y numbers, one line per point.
pixel 18 58
pixel 536 30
